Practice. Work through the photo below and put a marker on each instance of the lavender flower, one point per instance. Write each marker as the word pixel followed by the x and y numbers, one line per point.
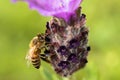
pixel 69 48
pixel 58 8
pixel 66 35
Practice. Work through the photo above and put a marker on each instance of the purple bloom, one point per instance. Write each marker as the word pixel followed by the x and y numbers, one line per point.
pixel 58 8
pixel 62 50
pixel 66 36
pixel 74 43
pixel 72 58
pixel 64 64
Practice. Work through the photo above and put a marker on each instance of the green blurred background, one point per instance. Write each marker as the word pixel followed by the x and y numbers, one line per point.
pixel 19 24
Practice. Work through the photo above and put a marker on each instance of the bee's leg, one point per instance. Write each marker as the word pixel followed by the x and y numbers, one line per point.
pixel 46 52
pixel 44 58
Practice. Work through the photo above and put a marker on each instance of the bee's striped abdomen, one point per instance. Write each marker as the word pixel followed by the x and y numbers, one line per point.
pixel 36 61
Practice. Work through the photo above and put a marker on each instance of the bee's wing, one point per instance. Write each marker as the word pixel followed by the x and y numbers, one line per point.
pixel 29 55
pixel 28 58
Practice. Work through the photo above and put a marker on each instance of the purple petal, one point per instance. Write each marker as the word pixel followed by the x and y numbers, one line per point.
pixel 72 57
pixel 62 50
pixel 64 64
pixel 74 43
pixel 74 4
pixel 47 7
pixel 58 8
pixel 13 1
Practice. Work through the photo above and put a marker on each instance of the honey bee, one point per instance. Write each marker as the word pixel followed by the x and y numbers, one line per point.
pixel 34 55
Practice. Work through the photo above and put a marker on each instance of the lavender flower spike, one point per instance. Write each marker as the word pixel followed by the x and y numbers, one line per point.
pixel 58 8
pixel 66 35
